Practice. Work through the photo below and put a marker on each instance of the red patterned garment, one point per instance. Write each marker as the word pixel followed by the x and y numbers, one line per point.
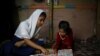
pixel 63 42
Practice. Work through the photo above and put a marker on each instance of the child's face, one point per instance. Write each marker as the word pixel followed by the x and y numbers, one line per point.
pixel 61 32
pixel 40 21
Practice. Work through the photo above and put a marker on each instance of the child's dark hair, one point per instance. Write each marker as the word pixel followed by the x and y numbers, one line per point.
pixel 43 14
pixel 65 26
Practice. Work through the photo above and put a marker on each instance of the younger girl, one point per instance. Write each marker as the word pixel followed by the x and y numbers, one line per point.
pixel 64 39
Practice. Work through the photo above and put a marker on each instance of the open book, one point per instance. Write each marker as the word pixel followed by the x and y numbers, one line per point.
pixel 63 52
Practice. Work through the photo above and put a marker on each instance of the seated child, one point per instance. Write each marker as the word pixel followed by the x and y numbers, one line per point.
pixel 64 37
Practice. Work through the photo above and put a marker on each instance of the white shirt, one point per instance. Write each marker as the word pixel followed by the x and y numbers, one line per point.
pixel 26 28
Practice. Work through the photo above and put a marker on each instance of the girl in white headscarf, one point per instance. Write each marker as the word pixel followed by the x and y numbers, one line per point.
pixel 26 31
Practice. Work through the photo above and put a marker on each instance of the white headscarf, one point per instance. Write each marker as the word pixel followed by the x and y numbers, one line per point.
pixel 26 28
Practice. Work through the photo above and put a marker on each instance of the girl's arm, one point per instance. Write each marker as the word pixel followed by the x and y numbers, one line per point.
pixel 19 43
pixel 57 43
pixel 34 45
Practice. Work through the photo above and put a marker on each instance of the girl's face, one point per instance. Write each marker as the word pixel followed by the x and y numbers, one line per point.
pixel 40 21
pixel 61 32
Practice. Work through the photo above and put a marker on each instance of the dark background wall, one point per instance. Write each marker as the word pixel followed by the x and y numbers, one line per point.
pixel 7 13
pixel 81 14
pixel 98 19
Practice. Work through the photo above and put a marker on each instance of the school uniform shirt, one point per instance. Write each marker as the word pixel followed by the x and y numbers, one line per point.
pixel 27 28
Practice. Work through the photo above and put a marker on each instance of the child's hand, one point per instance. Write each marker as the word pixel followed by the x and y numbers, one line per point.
pixel 55 51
